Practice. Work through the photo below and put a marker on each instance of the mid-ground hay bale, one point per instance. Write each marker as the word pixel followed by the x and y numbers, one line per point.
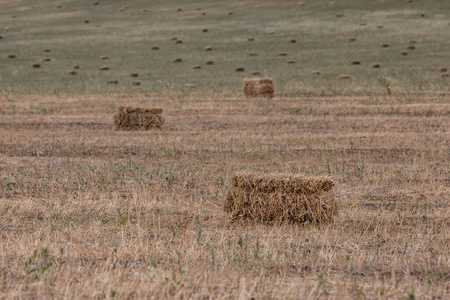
pixel 128 118
pixel 259 87
pixel 279 198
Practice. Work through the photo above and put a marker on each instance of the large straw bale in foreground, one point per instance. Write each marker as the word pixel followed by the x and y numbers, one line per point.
pixel 128 118
pixel 278 198
pixel 259 87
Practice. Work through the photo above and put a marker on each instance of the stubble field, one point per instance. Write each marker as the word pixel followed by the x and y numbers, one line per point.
pixel 88 212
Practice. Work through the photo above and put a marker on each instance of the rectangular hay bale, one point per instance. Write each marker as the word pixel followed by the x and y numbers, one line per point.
pixel 128 118
pixel 259 87
pixel 279 198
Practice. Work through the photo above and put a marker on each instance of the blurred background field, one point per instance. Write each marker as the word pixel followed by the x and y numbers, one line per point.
pixel 125 32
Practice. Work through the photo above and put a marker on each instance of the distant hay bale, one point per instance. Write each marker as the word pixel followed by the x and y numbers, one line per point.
pixel 96 3
pixel 12 56
pixel 253 54
pixel 209 62
pixel 178 42
pixel 444 75
pixel 179 9
pixel 178 60
pixel 292 41
pixel 443 70
pixel 412 42
pixel 208 48
pixel 86 21
pixel 411 47
pixel 352 39
pixel 251 39
pixel 134 75
pixel 203 14
pixel 290 61
pixel 104 68
pixel 239 70
pixel 362 24
pixel 282 54
pixel 73 73
pixel 256 73
pixel 205 30
pixel 46 59
pixel 356 62
pixel 259 87
pixel 380 26
pixel 384 45
pixel 174 38
pixel 104 57
pixel 112 82
pixel 47 50
pixel 76 66
pixel 404 53
pixel 198 8
pixel 190 85
pixel 128 118
pixel 58 6
pixel 230 13
pixel 339 15
pixel 155 48
pixel 315 72
pixel 422 15
pixel 136 83
pixel 344 76
pixel 280 198
pixel 144 10
pixel 36 66
pixel 196 67
pixel 376 66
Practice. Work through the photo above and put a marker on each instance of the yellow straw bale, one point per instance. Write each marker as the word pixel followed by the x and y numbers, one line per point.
pixel 280 198
pixel 128 118
pixel 259 87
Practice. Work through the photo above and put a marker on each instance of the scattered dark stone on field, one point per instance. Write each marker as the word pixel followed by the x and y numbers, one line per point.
pixel 239 70
pixel 104 68
pixel 385 46
pixel 404 53
pixel 178 42
pixel 196 67
pixel 411 47
pixel 356 62
pixel 86 21
pixel 112 81
pixel 315 72
pixel 255 73
pixel 290 61
pixel 46 59
pixel 352 39
pixel 155 48
pixel 251 39
pixel 282 54
pixel 292 41
pixel 209 62
pixel 208 48
pixel 47 50
pixel 443 70
pixel 134 75
pixel 376 66
pixel 136 83
pixel 205 30
pixel 344 76
pixel 12 56
pixel 253 54
pixel 76 66
pixel 73 73
pixel 444 75
pixel 380 26
pixel 104 57
pixel 36 66
pixel 339 15
pixel 178 60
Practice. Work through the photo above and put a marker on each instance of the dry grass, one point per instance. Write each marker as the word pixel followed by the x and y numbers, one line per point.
pixel 139 214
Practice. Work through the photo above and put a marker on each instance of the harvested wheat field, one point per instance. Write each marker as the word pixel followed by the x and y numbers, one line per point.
pixel 310 162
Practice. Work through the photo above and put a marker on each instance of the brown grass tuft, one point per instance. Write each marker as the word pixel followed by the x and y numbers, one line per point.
pixel 128 118
pixel 259 87
pixel 280 198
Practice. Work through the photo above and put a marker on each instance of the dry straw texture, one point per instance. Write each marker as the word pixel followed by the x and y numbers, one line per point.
pixel 128 118
pixel 279 198
pixel 259 87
